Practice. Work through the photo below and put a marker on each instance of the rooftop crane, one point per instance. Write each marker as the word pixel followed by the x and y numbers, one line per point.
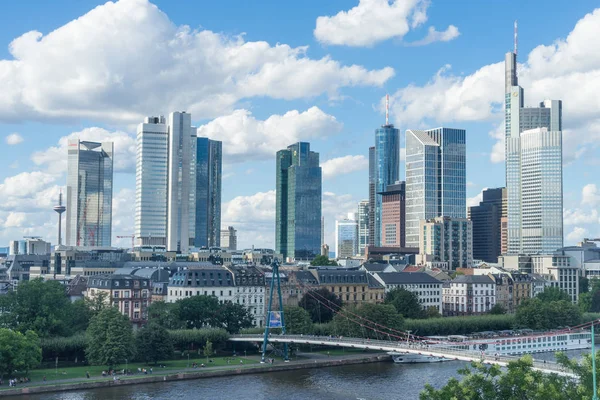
pixel 132 237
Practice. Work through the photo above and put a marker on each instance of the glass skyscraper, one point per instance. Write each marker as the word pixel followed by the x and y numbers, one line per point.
pixel 386 169
pixel 533 166
pixel 89 193
pixel 208 192
pixel 372 195
pixel 298 208
pixel 346 237
pixel 487 225
pixel 436 183
pixel 363 225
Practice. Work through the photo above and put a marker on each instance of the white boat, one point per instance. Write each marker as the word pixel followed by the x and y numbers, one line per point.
pixel 409 358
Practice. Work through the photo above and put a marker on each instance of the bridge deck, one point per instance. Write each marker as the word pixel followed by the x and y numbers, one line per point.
pixel 403 347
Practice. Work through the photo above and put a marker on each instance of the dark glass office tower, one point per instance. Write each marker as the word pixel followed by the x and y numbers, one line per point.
pixel 387 169
pixel 298 208
pixel 487 226
pixel 208 192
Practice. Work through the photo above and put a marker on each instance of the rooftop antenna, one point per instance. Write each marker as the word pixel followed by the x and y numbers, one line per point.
pixel 387 109
pixel 516 36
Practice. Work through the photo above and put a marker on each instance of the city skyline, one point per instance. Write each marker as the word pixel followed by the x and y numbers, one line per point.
pixel 254 119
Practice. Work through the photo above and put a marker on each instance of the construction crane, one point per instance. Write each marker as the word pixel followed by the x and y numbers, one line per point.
pixel 132 237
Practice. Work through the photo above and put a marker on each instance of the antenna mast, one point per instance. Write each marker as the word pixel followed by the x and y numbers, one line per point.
pixel 516 36
pixel 387 109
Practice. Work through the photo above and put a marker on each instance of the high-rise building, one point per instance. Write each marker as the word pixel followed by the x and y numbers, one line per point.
pixel 151 182
pixel 346 237
pixel 229 238
pixel 393 214
pixel 89 193
pixel 436 184
pixel 446 240
pixel 372 195
pixel 387 168
pixel 30 245
pixel 487 225
pixel 363 225
pixel 209 155
pixel 298 207
pixel 533 168
pixel 181 183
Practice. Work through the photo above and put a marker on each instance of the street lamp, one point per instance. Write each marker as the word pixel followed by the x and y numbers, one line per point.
pixel 126 368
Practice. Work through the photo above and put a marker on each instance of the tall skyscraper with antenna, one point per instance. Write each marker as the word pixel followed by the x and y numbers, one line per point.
pixel 60 209
pixel 533 151
pixel 386 164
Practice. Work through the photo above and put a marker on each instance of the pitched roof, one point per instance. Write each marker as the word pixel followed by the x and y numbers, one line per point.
pixel 399 278
pixel 374 267
pixel 479 279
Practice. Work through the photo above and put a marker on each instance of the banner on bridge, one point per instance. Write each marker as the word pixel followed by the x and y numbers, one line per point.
pixel 275 319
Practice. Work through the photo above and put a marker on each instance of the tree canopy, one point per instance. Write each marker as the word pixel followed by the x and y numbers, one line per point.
pixel 322 261
pixel 205 311
pixel 552 293
pixel 297 320
pixel 109 338
pixel 153 344
pixel 537 314
pixel 406 303
pixel 320 305
pixel 367 320
pixel 18 352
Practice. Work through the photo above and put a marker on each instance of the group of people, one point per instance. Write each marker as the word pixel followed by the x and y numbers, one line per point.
pixel 15 381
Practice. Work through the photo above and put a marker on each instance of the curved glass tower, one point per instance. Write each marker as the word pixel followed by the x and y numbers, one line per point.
pixel 386 168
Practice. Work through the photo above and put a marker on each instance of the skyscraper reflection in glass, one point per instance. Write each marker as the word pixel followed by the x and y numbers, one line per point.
pixel 386 169
pixel 89 193
pixel 298 208
pixel 436 184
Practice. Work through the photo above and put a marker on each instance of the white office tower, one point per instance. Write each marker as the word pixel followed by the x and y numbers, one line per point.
pixel 533 169
pixel 151 183
pixel 166 182
pixel 363 225
pixel 346 237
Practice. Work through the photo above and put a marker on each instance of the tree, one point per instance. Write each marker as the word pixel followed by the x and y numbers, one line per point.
pixel 322 261
pixel 297 320
pixel 97 303
pixel 585 302
pixel 433 312
pixel 498 309
pixel 405 302
pixel 109 338
pixel 584 284
pixel 539 315
pixel 320 305
pixel 515 383
pixel 18 352
pixel 233 317
pixel 552 293
pixel 153 343
pixel 368 320
pixel 199 311
pixel 208 350
pixel 37 305
pixel 165 314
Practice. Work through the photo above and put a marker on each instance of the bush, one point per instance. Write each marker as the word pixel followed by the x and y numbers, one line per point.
pixel 193 339
pixel 459 325
pixel 69 348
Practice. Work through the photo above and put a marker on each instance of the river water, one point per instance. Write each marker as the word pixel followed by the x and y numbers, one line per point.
pixel 384 380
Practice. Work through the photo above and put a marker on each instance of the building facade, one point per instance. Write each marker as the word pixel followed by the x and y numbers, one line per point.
pixel 205 281
pixel 372 195
pixel 425 286
pixel 32 245
pixel 468 295
pixel 436 183
pixel 209 155
pixel 346 237
pixel 446 240
pixel 393 211
pixel 298 202
pixel 487 225
pixel 89 193
pixel 229 239
pixel 363 225
pixel 533 169
pixel 250 290
pixel 386 169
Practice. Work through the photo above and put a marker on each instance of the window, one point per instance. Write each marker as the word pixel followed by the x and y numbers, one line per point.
pixel 116 294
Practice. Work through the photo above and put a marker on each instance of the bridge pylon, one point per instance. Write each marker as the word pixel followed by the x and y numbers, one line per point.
pixel 274 319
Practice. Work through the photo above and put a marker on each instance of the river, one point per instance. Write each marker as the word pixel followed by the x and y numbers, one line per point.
pixel 384 380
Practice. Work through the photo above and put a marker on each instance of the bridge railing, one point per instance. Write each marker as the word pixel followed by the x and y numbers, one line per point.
pixel 448 351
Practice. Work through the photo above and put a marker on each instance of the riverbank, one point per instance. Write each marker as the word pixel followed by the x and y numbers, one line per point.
pixel 211 372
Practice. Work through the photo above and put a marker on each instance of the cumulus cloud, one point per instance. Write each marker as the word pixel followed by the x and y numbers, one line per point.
pixel 590 195
pixel 576 235
pixel 579 216
pixel 568 69
pixel 54 159
pixel 125 59
pixel 475 200
pixel 254 218
pixel 343 165
pixel 245 137
pixel 373 21
pixel 436 36
pixel 14 139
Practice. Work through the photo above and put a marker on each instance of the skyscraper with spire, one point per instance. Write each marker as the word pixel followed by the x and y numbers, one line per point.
pixel 386 168
pixel 533 155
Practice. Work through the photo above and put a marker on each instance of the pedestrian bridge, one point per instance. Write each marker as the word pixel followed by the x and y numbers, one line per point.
pixel 437 350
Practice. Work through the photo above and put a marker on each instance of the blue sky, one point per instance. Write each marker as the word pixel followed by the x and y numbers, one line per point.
pixel 260 75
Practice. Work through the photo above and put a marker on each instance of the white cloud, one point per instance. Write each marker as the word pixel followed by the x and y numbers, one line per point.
pixel 14 139
pixel 126 59
pixel 343 165
pixel 579 216
pixel 336 207
pixel 373 21
pixel 436 36
pixel 576 235
pixel 244 137
pixel 474 201
pixel 254 218
pixel 54 159
pixel 568 69
pixel 590 195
